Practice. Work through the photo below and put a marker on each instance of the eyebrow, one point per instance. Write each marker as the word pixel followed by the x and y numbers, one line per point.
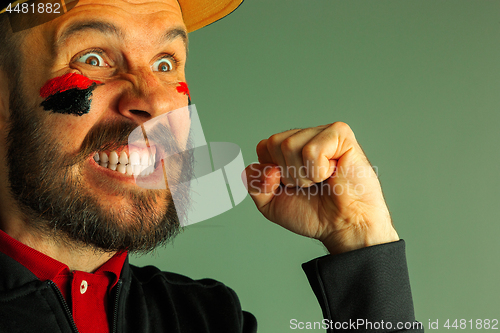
pixel 77 27
pixel 112 30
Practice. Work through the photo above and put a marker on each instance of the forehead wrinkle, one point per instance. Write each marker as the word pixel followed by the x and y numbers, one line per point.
pixel 81 26
pixel 108 28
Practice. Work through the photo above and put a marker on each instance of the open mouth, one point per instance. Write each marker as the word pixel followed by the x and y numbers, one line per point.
pixel 133 163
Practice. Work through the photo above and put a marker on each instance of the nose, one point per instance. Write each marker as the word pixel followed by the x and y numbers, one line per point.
pixel 148 95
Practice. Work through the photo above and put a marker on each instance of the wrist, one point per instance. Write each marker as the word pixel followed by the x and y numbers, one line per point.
pixel 336 245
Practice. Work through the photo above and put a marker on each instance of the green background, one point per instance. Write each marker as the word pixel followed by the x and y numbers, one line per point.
pixel 418 83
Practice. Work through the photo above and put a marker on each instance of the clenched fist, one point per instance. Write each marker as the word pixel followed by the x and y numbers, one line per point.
pixel 317 182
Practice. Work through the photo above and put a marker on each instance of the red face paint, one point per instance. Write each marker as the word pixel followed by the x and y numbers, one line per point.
pixel 66 82
pixel 68 94
pixel 183 88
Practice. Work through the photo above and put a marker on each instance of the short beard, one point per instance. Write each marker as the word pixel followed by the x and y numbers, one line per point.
pixel 56 204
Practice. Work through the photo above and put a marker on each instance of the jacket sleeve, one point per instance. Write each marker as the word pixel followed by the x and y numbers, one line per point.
pixel 365 290
pixel 247 321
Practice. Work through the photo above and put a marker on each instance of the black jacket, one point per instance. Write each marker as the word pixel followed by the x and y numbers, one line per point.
pixel 370 283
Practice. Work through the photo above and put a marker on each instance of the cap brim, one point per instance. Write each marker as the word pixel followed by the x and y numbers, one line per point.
pixel 200 13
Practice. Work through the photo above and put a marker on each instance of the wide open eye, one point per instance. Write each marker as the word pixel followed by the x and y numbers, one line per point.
pixel 93 59
pixel 163 65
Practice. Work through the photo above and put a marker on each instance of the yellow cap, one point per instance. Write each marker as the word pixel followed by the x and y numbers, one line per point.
pixel 196 13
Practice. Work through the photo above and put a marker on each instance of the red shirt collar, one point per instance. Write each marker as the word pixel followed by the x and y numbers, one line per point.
pixel 47 268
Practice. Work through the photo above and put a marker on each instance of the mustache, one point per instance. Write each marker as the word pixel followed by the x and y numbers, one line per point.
pixel 105 136
pixel 113 135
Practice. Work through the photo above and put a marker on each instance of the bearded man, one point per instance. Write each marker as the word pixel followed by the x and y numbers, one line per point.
pixel 72 89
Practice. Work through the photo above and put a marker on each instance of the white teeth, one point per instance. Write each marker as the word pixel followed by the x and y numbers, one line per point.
pixel 137 164
pixel 130 169
pixel 135 159
pixel 144 159
pixel 103 157
pixel 137 170
pixel 121 168
pixel 149 170
pixel 123 158
pixel 113 157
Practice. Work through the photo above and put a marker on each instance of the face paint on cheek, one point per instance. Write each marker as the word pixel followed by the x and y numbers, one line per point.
pixel 183 89
pixel 68 94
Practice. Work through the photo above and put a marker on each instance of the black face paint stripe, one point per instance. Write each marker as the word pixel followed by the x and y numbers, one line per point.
pixel 73 101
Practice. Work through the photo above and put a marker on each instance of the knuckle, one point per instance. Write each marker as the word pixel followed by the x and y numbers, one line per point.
pixel 287 144
pixel 262 145
pixel 310 151
pixel 341 126
pixel 273 140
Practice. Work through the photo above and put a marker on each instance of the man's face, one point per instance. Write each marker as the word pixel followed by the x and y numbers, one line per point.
pixel 138 51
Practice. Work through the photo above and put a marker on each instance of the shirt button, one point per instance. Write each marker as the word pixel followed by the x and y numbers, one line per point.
pixel 83 287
